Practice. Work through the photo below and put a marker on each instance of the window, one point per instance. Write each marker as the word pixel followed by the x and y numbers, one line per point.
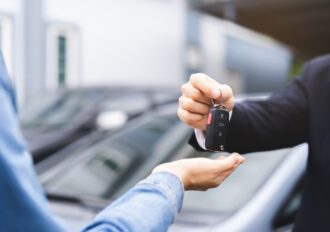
pixel 62 59
pixel 62 54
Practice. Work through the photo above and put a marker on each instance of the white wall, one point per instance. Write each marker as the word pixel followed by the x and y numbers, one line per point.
pixel 136 42
pixel 12 14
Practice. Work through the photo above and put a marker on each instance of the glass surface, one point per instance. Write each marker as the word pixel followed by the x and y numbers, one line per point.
pixel 106 164
pixel 62 53
pixel 56 110
pixel 239 187
pixel 132 104
pixel 95 175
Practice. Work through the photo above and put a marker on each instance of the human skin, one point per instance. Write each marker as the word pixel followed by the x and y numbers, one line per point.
pixel 202 173
pixel 195 101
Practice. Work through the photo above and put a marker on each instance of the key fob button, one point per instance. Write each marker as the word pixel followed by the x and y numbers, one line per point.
pixel 217 127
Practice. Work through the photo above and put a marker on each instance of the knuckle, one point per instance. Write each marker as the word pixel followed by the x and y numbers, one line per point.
pixel 228 89
pixel 180 114
pixel 194 94
pixel 184 116
pixel 180 101
pixel 194 78
pixel 189 121
pixel 188 104
pixel 183 88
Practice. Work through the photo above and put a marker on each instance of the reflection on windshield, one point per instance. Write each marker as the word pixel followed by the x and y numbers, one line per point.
pixel 98 170
pixel 57 111
pixel 133 104
pixel 94 176
pixel 239 187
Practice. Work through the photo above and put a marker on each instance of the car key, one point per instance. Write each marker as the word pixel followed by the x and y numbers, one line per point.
pixel 217 127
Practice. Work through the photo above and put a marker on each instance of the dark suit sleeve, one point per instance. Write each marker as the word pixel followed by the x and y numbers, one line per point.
pixel 193 142
pixel 278 122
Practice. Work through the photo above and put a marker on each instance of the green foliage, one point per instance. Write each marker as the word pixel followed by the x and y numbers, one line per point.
pixel 296 68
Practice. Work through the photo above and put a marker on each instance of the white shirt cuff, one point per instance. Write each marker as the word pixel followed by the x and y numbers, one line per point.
pixel 200 137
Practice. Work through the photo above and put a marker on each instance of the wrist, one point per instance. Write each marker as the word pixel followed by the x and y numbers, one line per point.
pixel 179 173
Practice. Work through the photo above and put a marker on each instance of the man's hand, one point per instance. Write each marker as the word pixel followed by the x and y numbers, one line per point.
pixel 202 173
pixel 195 100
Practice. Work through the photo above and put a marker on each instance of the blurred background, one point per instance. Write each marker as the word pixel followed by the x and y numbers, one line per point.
pixel 98 80
pixel 52 44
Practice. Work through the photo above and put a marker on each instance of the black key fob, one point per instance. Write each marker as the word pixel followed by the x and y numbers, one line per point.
pixel 217 128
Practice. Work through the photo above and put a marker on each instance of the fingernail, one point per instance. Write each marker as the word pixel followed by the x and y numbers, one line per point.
pixel 215 93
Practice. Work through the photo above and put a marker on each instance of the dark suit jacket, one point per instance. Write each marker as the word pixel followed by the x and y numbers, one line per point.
pixel 300 113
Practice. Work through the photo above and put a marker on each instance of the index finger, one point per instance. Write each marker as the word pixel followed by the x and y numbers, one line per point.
pixel 201 82
pixel 230 162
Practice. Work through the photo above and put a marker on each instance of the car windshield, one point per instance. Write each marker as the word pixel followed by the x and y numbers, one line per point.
pixel 57 111
pixel 238 188
pixel 131 103
pixel 136 102
pixel 113 165
pixel 96 171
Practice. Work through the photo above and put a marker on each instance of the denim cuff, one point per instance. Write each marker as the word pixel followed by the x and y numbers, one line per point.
pixel 170 185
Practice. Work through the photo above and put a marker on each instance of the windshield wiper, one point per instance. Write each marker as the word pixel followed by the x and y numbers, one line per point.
pixel 63 197
pixel 95 203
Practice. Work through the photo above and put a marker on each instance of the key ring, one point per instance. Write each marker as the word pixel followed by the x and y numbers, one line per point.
pixel 221 100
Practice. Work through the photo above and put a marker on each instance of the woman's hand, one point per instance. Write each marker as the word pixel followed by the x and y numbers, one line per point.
pixel 202 173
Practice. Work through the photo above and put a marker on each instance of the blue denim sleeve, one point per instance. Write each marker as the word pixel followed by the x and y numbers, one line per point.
pixel 151 206
pixel 22 202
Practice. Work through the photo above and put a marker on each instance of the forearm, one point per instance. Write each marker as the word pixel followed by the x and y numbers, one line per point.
pixel 150 206
pixel 278 122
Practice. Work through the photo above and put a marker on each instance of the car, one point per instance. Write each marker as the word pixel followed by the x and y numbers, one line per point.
pixel 262 195
pixel 55 120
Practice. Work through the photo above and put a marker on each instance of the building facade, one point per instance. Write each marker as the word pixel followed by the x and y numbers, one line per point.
pixel 50 44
